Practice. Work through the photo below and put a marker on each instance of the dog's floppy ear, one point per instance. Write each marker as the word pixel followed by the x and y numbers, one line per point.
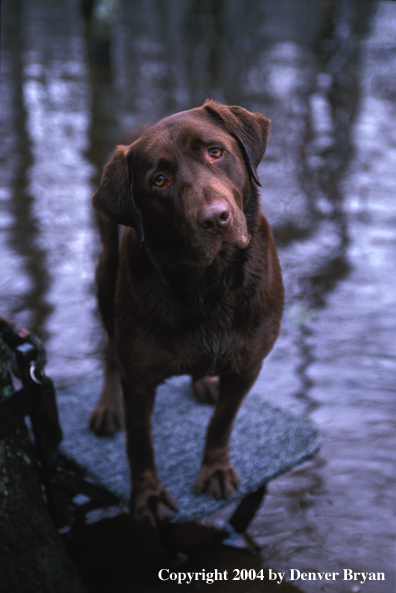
pixel 114 196
pixel 251 130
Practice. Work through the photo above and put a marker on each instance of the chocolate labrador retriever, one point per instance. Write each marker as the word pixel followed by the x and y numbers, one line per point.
pixel 195 288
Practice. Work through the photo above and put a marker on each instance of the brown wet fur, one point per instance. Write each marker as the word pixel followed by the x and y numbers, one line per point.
pixel 195 287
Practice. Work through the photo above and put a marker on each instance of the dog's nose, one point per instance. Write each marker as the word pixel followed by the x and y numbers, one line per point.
pixel 214 217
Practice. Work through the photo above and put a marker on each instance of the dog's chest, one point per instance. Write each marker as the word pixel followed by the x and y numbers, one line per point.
pixel 211 337
pixel 200 329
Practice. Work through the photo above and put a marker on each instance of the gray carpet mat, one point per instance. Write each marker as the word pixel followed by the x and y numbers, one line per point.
pixel 266 442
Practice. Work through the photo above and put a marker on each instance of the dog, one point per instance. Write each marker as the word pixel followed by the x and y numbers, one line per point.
pixel 194 288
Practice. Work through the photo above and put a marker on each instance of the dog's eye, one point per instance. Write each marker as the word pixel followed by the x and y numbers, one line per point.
pixel 215 153
pixel 159 180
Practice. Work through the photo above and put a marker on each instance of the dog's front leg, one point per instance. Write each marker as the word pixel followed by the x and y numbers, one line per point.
pixel 217 478
pixel 150 502
pixel 108 416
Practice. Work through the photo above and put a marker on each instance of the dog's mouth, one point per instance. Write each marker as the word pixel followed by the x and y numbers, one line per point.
pixel 203 248
pixel 241 242
pixel 217 225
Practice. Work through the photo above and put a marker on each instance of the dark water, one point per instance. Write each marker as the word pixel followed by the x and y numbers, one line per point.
pixel 325 73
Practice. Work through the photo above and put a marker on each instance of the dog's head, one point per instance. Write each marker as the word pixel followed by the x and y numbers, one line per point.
pixel 186 182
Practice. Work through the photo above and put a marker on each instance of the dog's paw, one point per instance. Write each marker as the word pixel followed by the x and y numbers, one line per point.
pixel 152 506
pixel 105 421
pixel 206 390
pixel 217 480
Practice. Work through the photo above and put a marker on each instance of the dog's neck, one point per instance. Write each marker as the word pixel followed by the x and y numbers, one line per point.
pixel 184 277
